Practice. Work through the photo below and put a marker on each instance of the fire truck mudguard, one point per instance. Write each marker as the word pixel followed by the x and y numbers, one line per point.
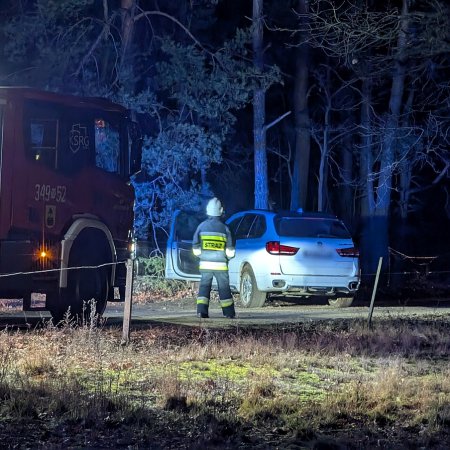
pixel 85 225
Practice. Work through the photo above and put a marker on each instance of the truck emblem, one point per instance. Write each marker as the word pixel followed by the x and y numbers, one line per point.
pixel 50 214
pixel 78 138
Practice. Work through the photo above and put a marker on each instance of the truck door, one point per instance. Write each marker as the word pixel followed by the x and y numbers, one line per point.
pixel 181 264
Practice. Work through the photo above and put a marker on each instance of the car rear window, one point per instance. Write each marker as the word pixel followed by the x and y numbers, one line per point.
pixel 311 227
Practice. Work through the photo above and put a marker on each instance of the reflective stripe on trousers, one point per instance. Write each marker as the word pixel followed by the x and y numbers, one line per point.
pixel 227 302
pixel 202 301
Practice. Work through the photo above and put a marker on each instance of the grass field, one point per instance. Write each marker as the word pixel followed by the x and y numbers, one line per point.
pixel 319 385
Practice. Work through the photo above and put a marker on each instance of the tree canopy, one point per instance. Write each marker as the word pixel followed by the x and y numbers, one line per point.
pixel 367 83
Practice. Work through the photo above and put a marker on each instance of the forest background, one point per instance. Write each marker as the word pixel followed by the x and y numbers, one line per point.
pixel 326 105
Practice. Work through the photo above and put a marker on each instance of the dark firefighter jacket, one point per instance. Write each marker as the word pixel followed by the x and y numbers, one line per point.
pixel 213 244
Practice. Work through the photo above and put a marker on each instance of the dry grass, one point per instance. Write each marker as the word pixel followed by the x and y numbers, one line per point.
pixel 236 386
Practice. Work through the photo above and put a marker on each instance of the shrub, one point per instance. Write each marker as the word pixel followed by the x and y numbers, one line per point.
pixel 153 283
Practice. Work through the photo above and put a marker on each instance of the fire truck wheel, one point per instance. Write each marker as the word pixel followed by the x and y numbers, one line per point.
pixel 85 288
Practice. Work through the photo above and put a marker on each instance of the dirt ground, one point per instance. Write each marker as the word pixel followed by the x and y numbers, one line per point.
pixel 167 429
pixel 277 310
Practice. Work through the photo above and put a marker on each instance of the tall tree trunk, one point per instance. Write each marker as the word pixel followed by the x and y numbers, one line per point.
pixel 366 168
pixel 127 8
pixel 405 166
pixel 299 190
pixel 323 165
pixel 377 231
pixel 346 198
pixel 388 152
pixel 322 189
pixel 127 12
pixel 259 114
pixel 401 233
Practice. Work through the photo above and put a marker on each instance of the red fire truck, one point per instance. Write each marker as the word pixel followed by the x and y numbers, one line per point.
pixel 66 202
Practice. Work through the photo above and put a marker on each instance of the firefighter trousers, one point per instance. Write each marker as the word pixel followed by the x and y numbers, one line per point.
pixel 223 285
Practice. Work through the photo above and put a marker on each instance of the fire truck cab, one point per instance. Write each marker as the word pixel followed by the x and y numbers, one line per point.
pixel 66 202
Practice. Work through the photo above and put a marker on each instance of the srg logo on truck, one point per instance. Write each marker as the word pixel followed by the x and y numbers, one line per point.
pixel 78 138
pixel 46 192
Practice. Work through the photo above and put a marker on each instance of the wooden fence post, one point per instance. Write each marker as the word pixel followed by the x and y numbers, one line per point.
pixel 128 302
pixel 372 301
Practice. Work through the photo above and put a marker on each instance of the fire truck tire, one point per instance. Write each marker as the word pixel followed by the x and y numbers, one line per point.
pixel 85 288
pixel 84 285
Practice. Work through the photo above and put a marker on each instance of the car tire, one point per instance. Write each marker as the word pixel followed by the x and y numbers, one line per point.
pixel 340 302
pixel 250 295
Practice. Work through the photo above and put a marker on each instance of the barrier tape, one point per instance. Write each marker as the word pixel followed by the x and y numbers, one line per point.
pixel 427 260
pixel 3 275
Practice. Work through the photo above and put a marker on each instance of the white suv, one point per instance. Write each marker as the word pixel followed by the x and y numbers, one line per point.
pixel 289 253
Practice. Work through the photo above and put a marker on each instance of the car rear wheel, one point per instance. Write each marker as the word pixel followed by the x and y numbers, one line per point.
pixel 340 302
pixel 250 295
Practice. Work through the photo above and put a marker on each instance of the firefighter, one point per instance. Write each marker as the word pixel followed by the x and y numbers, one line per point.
pixel 214 245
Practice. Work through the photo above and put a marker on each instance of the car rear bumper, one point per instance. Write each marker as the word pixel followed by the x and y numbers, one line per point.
pixel 308 285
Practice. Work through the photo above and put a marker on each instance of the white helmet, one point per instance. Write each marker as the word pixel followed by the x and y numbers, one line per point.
pixel 214 208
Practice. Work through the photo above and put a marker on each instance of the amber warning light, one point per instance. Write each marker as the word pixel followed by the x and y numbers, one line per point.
pixel 44 252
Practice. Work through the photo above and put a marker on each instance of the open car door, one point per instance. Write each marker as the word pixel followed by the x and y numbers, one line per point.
pixel 181 264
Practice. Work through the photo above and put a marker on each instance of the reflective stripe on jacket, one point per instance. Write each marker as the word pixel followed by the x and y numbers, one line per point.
pixel 212 242
pixel 213 265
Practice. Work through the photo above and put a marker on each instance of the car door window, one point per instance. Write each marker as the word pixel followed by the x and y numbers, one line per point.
pixel 245 226
pixel 258 227
pixel 234 224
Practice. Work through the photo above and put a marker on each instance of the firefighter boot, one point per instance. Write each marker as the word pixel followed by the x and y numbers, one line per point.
pixel 228 309
pixel 202 307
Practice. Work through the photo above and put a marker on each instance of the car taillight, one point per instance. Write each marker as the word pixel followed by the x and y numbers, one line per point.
pixel 349 252
pixel 275 248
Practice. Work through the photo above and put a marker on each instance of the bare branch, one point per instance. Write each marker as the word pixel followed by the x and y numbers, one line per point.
pixel 177 22
pixel 278 119
pixel 105 31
